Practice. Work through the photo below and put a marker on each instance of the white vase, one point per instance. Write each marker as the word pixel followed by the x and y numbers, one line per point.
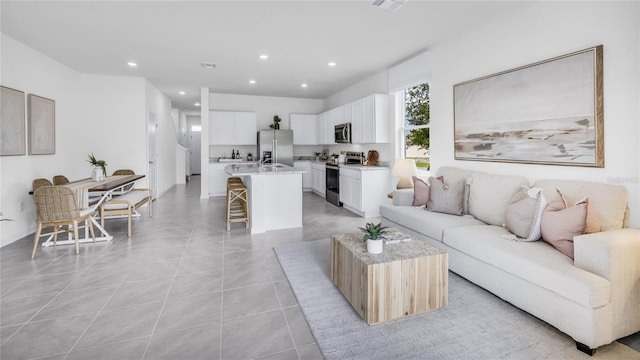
pixel 374 246
pixel 97 174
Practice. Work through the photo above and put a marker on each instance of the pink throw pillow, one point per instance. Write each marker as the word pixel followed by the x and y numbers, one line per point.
pixel 562 220
pixel 421 192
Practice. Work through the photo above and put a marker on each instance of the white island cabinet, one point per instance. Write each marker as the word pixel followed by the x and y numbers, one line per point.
pixel 275 195
pixel 364 188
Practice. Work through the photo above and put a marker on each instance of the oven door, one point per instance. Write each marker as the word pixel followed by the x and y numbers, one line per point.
pixel 332 185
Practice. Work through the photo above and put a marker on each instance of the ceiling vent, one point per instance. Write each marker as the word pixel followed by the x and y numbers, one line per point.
pixel 388 4
pixel 208 65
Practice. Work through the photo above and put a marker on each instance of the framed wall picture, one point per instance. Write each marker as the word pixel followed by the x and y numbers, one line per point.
pixel 12 135
pixel 42 125
pixel 550 112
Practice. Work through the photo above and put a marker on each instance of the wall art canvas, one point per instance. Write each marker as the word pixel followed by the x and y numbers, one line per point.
pixel 550 112
pixel 42 125
pixel 12 135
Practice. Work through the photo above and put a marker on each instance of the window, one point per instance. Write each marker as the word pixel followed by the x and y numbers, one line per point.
pixel 415 129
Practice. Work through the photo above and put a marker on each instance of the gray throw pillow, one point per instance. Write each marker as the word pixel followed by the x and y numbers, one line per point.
pixel 524 213
pixel 446 198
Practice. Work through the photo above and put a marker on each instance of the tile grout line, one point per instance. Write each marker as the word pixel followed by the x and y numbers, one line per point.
pixel 164 302
pixel 286 321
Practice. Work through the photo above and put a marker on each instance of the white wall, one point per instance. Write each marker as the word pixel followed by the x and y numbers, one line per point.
pixel 166 137
pixel 94 113
pixel 540 31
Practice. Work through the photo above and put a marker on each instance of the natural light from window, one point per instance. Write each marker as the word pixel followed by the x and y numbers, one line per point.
pixel 415 130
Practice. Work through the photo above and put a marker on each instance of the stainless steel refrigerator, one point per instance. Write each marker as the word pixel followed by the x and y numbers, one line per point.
pixel 276 144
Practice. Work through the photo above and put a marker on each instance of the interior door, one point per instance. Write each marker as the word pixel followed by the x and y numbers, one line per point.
pixel 152 153
pixel 194 145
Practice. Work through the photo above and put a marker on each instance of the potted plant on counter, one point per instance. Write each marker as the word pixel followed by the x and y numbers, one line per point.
pixel 374 238
pixel 99 168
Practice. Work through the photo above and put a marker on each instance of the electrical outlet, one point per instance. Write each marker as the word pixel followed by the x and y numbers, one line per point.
pixel 21 206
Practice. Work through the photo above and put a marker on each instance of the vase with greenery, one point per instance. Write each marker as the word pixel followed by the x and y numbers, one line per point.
pixel 99 168
pixel 276 122
pixel 373 235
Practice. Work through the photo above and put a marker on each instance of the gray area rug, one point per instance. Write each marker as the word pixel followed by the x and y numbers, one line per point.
pixel 474 325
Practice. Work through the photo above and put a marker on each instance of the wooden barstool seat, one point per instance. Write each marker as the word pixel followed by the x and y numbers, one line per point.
pixel 237 200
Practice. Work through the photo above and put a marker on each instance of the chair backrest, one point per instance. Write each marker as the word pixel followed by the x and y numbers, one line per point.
pixel 124 172
pixel 35 184
pixel 55 203
pixel 60 180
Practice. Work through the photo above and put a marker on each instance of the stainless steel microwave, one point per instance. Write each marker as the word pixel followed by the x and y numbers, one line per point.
pixel 343 133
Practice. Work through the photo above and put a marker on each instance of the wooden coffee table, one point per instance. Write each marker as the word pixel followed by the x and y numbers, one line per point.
pixel 408 278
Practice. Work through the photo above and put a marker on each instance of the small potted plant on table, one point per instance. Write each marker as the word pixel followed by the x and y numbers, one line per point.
pixel 99 168
pixel 374 238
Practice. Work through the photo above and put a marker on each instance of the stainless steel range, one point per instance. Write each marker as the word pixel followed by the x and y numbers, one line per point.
pixel 332 184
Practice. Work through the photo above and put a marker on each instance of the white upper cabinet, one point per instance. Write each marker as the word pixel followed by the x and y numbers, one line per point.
pixel 304 128
pixel 370 120
pixel 232 128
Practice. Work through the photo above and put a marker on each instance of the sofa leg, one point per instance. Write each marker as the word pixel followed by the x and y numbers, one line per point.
pixel 585 349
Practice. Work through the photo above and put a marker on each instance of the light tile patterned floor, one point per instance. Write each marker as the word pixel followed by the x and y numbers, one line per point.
pixel 180 288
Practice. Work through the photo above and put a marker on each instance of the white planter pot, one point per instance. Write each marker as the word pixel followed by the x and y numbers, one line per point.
pixel 374 246
pixel 98 174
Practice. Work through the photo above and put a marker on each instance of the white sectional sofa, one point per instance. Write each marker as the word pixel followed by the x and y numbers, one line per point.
pixel 594 298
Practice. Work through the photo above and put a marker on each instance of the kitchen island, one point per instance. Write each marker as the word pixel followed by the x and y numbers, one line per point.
pixel 275 195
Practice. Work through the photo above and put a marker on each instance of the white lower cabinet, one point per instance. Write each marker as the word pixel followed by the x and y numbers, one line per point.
pixel 318 179
pixel 307 177
pixel 363 190
pixel 217 179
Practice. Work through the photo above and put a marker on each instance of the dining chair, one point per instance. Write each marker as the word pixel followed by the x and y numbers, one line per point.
pixel 125 172
pixel 60 180
pixel 36 183
pixel 56 207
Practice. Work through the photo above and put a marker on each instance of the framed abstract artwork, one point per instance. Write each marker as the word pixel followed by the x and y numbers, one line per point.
pixel 549 112
pixel 42 125
pixel 12 134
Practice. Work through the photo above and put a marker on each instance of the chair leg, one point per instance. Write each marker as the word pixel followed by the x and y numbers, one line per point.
pixel 129 223
pixel 75 235
pixel 35 240
pixel 91 231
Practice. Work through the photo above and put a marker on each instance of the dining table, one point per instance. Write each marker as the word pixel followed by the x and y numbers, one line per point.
pixel 89 196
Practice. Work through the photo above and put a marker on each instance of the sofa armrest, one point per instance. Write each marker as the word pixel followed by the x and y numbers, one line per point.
pixel 403 197
pixel 615 255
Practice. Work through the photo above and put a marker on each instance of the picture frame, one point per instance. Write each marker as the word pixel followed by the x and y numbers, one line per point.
pixel 12 122
pixel 42 125
pixel 549 112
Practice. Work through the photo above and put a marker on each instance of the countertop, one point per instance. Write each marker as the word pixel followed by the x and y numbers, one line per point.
pixel 255 169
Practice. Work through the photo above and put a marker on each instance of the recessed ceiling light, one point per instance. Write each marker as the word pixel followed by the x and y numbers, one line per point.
pixel 264 56
pixel 208 65
pixel 252 81
pixel 132 64
pixel 332 63
pixel 197 104
pixel 181 93
pixel 304 85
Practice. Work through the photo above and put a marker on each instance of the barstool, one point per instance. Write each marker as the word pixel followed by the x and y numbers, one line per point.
pixel 237 199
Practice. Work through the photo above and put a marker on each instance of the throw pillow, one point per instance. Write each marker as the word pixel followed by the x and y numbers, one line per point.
pixel 446 198
pixel 421 191
pixel 562 220
pixel 524 213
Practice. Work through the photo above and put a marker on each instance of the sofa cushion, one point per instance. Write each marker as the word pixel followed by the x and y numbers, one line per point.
pixel 489 195
pixel 454 174
pixel 608 201
pixel 524 213
pixel 446 196
pixel 431 224
pixel 535 261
